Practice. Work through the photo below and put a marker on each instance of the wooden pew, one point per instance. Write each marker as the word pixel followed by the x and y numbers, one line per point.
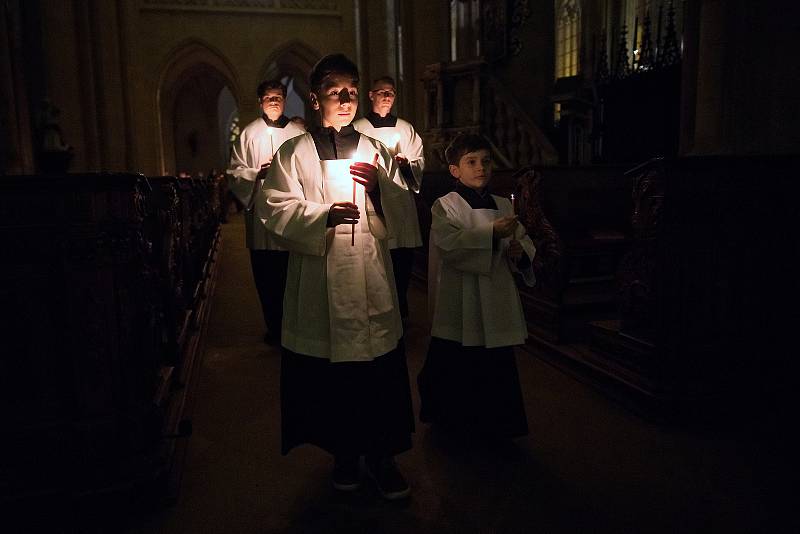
pixel 707 287
pixel 97 372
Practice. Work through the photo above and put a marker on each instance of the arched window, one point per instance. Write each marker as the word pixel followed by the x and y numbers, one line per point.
pixel 568 18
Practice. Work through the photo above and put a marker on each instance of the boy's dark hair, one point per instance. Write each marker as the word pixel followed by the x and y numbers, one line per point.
pixel 464 144
pixel 331 64
pixel 265 86
pixel 384 79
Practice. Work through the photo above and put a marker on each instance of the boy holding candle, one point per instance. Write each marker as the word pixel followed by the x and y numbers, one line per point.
pixel 344 379
pixel 250 158
pixel 469 382
pixel 405 145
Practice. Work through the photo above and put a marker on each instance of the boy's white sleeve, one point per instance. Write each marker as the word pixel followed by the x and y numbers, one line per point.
pixel 416 159
pixel 298 224
pixel 387 225
pixel 465 249
pixel 242 171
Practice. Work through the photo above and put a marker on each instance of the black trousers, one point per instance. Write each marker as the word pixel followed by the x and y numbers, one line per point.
pixel 347 408
pixel 269 273
pixel 472 390
pixel 402 264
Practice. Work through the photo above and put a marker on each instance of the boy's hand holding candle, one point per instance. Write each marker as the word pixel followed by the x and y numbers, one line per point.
pixel 366 174
pixel 343 213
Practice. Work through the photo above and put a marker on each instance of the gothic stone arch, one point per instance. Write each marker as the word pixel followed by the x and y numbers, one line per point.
pixel 295 59
pixel 189 61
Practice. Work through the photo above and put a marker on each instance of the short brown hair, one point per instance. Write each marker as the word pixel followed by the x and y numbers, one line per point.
pixel 329 65
pixel 464 144
pixel 267 85
pixel 384 79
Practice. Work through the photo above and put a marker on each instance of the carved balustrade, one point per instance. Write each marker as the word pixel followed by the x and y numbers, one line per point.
pixel 466 97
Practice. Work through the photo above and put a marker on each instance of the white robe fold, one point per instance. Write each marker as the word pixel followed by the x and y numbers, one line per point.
pixel 472 295
pixel 402 139
pixel 255 147
pixel 340 301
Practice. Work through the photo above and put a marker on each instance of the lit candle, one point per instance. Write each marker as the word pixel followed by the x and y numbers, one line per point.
pixel 271 148
pixel 514 204
pixel 357 158
pixel 353 227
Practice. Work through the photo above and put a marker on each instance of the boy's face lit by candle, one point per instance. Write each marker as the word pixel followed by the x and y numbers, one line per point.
pixel 474 169
pixel 272 104
pixel 337 101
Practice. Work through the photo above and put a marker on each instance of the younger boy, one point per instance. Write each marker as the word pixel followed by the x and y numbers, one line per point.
pixel 469 380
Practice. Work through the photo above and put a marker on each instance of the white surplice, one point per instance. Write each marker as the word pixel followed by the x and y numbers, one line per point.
pixel 257 145
pixel 402 139
pixel 340 301
pixel 472 294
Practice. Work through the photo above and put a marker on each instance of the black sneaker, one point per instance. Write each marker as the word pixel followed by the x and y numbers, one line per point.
pixel 390 482
pixel 346 475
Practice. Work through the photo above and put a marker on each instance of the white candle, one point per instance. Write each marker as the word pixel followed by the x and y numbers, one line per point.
pixel 271 148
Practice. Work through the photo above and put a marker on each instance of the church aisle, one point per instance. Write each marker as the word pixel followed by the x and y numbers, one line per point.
pixel 587 465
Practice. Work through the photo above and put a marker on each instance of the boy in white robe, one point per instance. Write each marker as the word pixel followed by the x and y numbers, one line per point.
pixel 469 382
pixel 330 199
pixel 403 142
pixel 250 159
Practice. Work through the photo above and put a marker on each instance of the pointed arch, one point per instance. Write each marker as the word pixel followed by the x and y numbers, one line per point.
pixel 295 59
pixel 192 59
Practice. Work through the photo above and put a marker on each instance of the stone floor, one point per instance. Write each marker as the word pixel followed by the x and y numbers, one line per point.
pixel 588 465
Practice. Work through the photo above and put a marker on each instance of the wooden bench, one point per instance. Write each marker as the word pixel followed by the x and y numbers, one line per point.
pixel 96 372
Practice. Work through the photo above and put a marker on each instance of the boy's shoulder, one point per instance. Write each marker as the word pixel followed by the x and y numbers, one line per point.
pixel 453 198
pixel 298 139
pixel 361 122
pixel 254 127
pixel 402 123
pixel 450 199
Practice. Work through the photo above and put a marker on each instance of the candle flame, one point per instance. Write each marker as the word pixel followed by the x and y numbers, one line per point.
pixel 269 130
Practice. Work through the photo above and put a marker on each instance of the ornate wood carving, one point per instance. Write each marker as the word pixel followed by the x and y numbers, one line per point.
pixel 501 28
pixel 541 231
pixel 638 269
pixel 517 141
pixel 86 283
pixel 520 13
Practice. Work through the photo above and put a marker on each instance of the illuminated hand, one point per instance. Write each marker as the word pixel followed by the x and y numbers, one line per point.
pixel 504 226
pixel 343 213
pixel 366 174
pixel 401 160
pixel 514 250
